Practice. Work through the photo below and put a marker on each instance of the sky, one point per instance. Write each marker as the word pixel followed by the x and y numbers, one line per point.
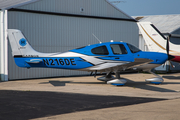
pixel 148 7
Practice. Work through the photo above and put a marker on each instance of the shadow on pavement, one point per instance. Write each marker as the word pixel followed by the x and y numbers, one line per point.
pixel 149 86
pixel 130 83
pixel 56 83
pixel 23 105
pixel 172 77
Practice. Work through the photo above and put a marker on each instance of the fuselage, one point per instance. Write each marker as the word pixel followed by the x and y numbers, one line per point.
pixel 100 57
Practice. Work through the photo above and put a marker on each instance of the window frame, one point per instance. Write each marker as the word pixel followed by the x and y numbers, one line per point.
pixel 103 50
pixel 120 48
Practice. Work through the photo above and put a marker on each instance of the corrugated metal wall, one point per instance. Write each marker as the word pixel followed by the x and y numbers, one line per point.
pixel 90 7
pixel 55 33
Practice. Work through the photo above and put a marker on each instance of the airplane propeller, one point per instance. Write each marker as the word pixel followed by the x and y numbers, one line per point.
pixel 167 46
pixel 167 50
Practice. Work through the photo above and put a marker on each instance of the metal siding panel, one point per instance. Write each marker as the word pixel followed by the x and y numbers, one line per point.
pixel 91 7
pixel 50 33
pixel 5 4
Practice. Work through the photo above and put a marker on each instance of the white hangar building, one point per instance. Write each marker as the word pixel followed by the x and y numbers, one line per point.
pixel 167 25
pixel 58 26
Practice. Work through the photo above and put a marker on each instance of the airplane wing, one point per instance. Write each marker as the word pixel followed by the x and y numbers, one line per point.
pixel 136 64
pixel 120 65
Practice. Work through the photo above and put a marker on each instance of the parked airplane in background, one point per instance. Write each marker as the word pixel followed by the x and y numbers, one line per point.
pixel 157 42
pixel 110 57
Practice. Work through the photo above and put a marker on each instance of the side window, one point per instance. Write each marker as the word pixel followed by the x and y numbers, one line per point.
pixel 118 49
pixel 102 50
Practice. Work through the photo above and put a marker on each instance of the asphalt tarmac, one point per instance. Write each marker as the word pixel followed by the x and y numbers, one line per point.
pixel 85 98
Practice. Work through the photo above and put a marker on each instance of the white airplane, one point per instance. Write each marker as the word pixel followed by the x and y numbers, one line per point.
pixel 157 42
pixel 106 57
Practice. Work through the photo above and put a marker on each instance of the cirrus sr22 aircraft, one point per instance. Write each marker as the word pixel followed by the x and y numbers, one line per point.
pixel 110 57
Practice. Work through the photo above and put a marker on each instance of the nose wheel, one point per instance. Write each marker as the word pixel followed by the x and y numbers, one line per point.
pixel 156 80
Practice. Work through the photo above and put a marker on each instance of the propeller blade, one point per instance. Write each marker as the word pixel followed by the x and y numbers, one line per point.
pixel 167 46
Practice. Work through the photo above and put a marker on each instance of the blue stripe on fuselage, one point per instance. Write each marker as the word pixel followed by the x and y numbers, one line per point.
pixel 53 62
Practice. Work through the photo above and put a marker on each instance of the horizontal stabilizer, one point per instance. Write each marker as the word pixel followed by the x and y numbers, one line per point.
pixel 34 61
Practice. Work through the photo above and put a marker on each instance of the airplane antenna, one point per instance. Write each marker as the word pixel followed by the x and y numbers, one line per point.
pixel 117 2
pixel 96 38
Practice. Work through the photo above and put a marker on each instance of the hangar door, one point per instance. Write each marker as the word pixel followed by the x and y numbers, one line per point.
pixel 57 33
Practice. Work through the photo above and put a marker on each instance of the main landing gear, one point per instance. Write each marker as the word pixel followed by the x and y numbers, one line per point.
pixel 113 80
pixel 110 79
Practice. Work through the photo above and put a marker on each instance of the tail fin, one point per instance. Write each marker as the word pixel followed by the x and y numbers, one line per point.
pixel 154 39
pixel 19 44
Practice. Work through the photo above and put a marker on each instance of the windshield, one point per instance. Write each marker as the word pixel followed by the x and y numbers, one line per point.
pixel 133 48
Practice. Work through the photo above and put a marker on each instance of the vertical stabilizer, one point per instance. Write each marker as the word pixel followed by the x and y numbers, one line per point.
pixel 19 44
pixel 154 39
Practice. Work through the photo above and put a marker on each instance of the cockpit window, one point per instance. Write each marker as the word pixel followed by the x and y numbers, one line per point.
pixel 102 50
pixel 118 49
pixel 133 48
